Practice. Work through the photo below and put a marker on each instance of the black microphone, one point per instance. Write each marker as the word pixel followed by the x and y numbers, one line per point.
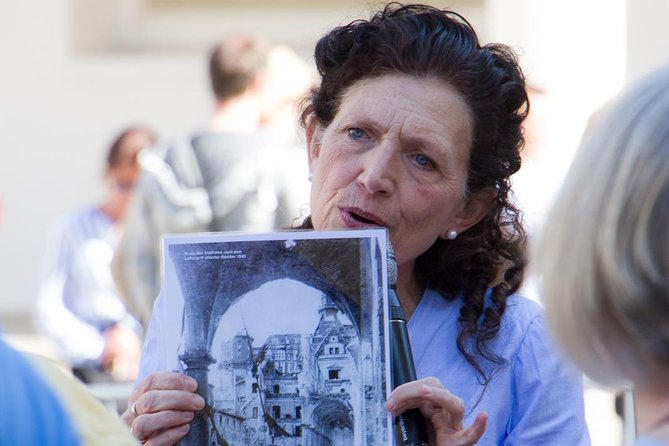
pixel 409 425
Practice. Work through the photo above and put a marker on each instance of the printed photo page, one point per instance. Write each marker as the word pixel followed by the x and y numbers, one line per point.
pixel 284 333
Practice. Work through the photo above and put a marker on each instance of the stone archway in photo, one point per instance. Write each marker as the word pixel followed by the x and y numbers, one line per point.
pixel 220 272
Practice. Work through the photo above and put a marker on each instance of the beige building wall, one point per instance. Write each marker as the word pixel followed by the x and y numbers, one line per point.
pixel 647 35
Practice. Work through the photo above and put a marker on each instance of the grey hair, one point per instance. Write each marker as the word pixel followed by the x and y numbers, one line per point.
pixel 604 252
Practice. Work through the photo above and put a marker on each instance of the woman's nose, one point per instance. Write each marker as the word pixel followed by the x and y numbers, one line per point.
pixel 379 170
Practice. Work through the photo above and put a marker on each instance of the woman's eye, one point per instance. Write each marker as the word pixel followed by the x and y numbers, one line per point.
pixel 356 132
pixel 423 161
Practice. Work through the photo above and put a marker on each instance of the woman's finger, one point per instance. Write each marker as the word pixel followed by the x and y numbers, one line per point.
pixel 476 430
pixel 469 436
pixel 442 407
pixel 428 392
pixel 169 437
pixel 162 381
pixel 167 381
pixel 155 401
pixel 152 426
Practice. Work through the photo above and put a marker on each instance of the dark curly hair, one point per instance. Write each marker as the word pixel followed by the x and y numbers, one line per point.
pixel 487 260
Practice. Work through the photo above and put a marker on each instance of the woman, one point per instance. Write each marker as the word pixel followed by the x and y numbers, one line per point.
pixel 415 127
pixel 78 304
pixel 607 235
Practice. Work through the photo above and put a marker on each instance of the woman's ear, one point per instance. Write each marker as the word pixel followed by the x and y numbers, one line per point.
pixel 474 209
pixel 314 132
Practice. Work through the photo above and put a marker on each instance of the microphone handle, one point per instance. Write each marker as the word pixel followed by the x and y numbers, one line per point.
pixel 409 425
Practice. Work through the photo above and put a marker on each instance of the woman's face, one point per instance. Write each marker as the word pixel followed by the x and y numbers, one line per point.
pixel 395 156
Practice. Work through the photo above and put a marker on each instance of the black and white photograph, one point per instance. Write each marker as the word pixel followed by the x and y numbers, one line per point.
pixel 284 333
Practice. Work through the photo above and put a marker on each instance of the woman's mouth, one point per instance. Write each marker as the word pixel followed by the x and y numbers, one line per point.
pixel 357 218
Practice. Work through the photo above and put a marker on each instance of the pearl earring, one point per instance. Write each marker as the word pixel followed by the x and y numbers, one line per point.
pixel 451 234
pixel 310 176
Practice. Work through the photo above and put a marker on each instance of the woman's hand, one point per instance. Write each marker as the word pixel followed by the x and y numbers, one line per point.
pixel 442 410
pixel 160 410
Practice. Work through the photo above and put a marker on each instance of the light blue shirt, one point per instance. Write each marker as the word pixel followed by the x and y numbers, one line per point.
pixel 30 413
pixel 534 399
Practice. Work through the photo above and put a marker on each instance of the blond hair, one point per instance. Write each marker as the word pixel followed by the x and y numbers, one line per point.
pixel 604 253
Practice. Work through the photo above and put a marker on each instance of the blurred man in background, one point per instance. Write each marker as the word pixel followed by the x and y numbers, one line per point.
pixel 238 173
pixel 78 305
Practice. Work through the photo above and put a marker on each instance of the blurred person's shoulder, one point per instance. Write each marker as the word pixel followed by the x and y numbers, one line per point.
pixel 30 410
pixel 95 423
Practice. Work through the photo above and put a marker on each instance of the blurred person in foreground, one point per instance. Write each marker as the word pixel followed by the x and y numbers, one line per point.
pixel 238 173
pixel 78 305
pixel 40 404
pixel 604 254
pixel 31 412
pixel 416 127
